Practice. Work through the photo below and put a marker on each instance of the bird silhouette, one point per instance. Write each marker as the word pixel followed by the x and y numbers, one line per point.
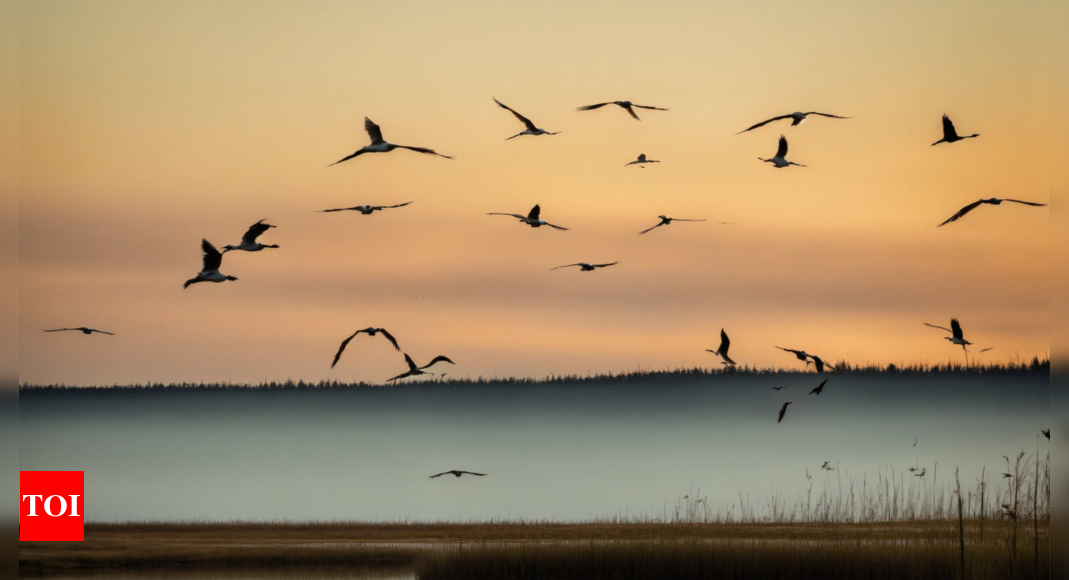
pixel 378 145
pixel 780 159
pixel 797 118
pixel 248 241
pixel 625 105
pixel 531 129
pixel 210 272
pixel 722 350
pixel 584 267
pixel 783 410
pixel 370 331
pixel 457 473
pixel 532 218
pixel 950 135
pixel 414 370
pixel 81 329
pixel 366 209
pixel 818 388
pixel 990 201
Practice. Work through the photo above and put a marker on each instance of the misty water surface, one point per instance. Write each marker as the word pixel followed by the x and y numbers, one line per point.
pixel 552 451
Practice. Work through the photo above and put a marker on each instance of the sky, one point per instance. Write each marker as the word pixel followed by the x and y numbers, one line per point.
pixel 146 126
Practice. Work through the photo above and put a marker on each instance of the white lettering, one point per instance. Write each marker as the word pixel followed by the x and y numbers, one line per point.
pixel 74 505
pixel 48 505
pixel 33 503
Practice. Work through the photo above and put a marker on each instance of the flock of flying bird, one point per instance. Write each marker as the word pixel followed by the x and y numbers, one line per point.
pixel 212 258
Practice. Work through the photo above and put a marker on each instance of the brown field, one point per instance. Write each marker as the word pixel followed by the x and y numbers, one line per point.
pixel 546 550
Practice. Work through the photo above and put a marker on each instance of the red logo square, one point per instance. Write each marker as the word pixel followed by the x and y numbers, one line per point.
pixel 52 506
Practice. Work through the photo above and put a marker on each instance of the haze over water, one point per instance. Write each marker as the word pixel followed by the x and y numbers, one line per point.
pixel 556 452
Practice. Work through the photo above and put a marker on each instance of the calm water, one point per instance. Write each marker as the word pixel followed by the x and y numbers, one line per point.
pixel 558 452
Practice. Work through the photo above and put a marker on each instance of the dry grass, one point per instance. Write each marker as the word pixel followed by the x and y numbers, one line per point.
pixel 545 550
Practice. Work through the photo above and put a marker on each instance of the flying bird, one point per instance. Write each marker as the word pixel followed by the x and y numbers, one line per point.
pixel 371 331
pixel 992 201
pixel 983 350
pixel 827 466
pixel 956 335
pixel 625 105
pixel 783 410
pixel 921 472
pixel 1007 475
pixel 805 357
pixel 413 370
pixel 584 267
pixel 950 135
pixel 380 146
pixel 532 218
pixel 722 351
pixel 642 159
pixel 780 160
pixel 819 364
pixel 1046 433
pixel 210 273
pixel 778 388
pixel 81 329
pixel 457 473
pixel 819 388
pixel 531 129
pixel 796 119
pixel 366 209
pixel 665 220
pixel 799 354
pixel 248 241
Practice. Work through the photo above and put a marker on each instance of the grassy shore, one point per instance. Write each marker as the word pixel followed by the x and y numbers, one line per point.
pixel 548 550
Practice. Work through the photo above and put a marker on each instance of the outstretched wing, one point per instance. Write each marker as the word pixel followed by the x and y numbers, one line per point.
pixel 439 474
pixel 535 212
pixel 725 342
pixel 796 352
pixel 255 230
pixel 393 206
pixel 341 348
pixel 955 327
pixel 1026 202
pixel 651 229
pixel 212 258
pixel 359 152
pixel 390 338
pixel 961 212
pixel 683 220
pixel 411 364
pixel 437 359
pixel 763 123
pixel 424 150
pixel 781 152
pixel 473 473
pixel 522 119
pixel 60 329
pixel 826 115
pixel 112 333
pixel 373 131
pixel 782 412
pixel 565 266
pixel 515 215
pixel 591 107
pixel 948 129
pixel 631 111
pixel 648 107
pixel 604 265
pixel 939 327
pixel 561 228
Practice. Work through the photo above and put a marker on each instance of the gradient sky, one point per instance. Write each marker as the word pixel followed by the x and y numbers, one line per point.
pixel 147 126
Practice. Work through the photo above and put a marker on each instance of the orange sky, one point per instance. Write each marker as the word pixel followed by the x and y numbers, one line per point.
pixel 146 126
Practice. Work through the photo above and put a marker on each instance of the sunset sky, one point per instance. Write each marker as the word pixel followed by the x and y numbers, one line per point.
pixel 146 126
